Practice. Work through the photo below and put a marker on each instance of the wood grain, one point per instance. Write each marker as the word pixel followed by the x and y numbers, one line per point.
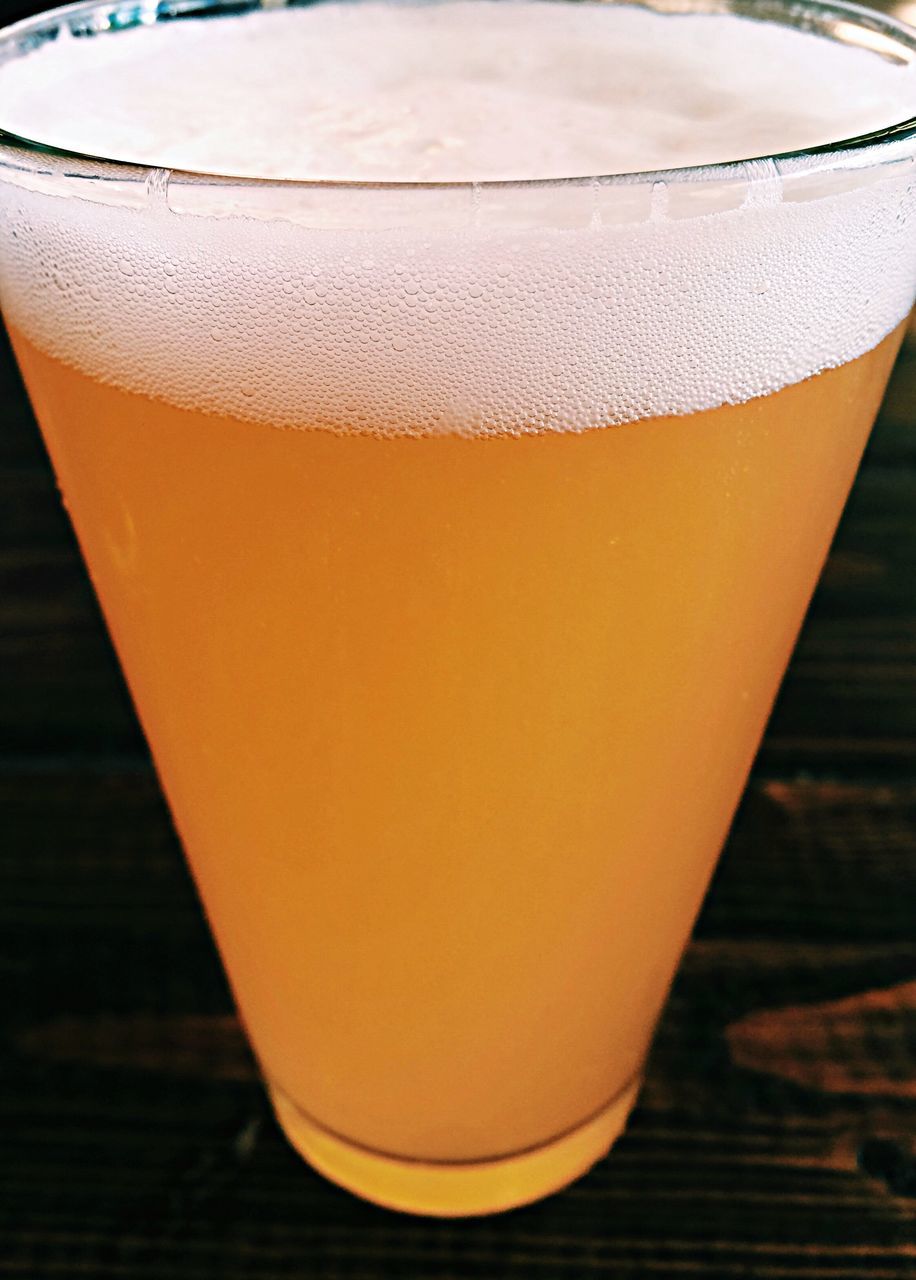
pixel 859 1045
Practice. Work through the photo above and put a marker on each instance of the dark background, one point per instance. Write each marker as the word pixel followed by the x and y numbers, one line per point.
pixel 13 10
pixel 776 1136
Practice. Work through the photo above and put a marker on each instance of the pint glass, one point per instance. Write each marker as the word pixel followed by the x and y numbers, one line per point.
pixel 453 539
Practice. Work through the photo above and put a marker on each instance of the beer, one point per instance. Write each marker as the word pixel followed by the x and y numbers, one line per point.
pixel 454 574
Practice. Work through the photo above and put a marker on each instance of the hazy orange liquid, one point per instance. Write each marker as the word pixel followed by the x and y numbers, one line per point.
pixel 453 729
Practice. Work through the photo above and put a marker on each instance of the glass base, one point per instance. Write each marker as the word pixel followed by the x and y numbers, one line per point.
pixel 456 1190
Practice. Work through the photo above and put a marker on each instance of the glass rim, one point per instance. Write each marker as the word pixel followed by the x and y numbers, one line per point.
pixel 813 16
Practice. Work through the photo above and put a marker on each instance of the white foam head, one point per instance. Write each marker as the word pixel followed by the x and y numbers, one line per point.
pixel 467 90
pixel 495 310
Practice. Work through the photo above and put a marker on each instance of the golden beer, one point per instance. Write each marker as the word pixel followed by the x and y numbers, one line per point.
pixel 454 573
pixel 565 645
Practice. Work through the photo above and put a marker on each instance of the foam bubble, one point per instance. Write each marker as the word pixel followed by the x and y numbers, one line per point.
pixel 476 311
pixel 460 90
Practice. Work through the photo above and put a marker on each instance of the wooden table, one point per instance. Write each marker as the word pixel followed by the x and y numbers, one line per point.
pixel 776 1136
